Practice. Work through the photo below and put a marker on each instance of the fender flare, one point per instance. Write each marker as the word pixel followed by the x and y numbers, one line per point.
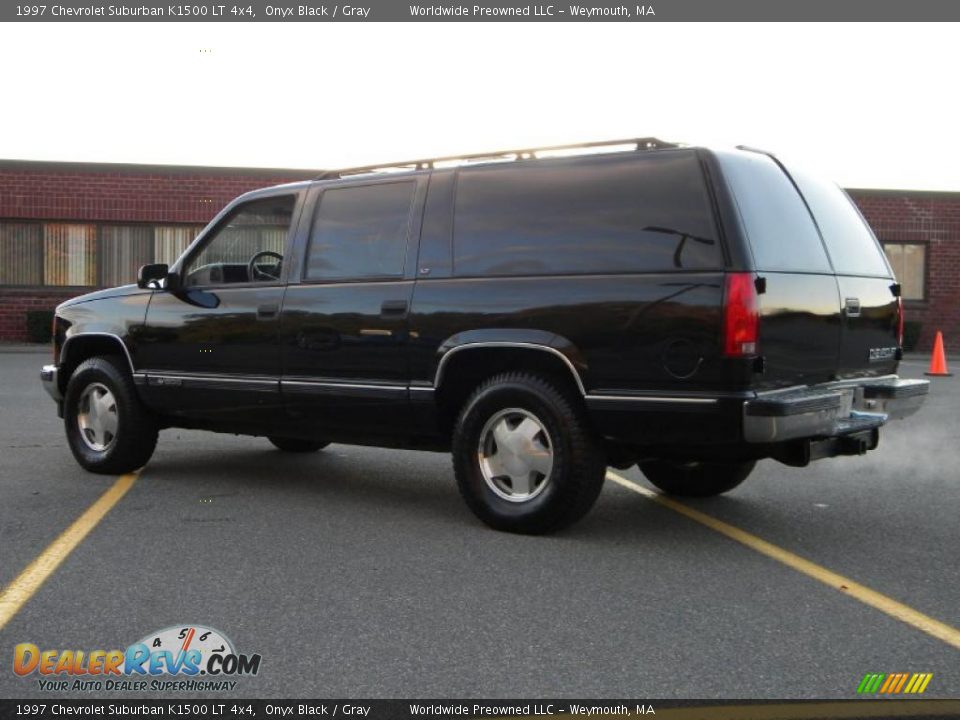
pixel 538 340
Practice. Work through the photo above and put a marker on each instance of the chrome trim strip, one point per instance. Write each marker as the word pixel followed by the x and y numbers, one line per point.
pixel 359 386
pixel 655 399
pixel 212 378
pixel 832 385
pixel 197 377
pixel 126 351
pixel 531 346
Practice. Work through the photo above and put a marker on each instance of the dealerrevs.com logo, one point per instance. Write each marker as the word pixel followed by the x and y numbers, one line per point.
pixel 179 658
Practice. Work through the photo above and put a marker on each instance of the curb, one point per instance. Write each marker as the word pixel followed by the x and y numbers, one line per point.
pixel 39 348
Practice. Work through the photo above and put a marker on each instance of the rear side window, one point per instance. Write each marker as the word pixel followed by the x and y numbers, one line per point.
pixel 628 214
pixel 779 228
pixel 360 232
pixel 850 242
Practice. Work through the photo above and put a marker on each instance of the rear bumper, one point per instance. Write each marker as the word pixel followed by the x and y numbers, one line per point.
pixel 846 408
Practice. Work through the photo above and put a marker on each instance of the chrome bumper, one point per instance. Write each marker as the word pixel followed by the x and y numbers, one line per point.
pixel 48 376
pixel 831 410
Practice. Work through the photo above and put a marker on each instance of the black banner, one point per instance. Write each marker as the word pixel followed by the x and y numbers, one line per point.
pixel 479 709
pixel 495 11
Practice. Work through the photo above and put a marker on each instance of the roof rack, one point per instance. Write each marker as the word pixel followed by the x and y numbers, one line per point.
pixel 638 144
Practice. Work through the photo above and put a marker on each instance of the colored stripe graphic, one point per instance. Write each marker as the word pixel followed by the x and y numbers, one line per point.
pixel 862 687
pixel 914 683
pixel 887 684
pixel 894 683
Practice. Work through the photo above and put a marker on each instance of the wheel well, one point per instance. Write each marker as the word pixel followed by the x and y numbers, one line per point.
pixel 467 369
pixel 83 348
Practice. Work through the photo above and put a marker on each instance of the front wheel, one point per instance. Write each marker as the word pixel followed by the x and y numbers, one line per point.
pixel 696 479
pixel 108 429
pixel 524 456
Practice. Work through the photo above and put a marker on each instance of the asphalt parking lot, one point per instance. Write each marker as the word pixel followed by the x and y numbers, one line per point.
pixel 359 572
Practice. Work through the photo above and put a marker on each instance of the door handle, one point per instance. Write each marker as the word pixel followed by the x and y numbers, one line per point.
pixel 393 308
pixel 852 306
pixel 268 311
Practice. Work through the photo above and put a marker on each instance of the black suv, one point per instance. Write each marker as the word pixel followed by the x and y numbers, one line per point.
pixel 541 314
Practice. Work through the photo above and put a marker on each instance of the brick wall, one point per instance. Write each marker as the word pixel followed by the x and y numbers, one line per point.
pixel 84 192
pixel 934 220
pixel 68 191
pixel 157 194
pixel 15 302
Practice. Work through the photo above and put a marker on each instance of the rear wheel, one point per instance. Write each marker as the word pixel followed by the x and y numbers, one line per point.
pixel 524 456
pixel 295 445
pixel 696 479
pixel 108 429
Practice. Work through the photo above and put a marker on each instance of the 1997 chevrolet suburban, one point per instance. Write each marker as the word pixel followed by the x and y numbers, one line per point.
pixel 686 309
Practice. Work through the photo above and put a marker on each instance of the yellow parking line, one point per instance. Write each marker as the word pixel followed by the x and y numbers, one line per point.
pixel 17 593
pixel 891 607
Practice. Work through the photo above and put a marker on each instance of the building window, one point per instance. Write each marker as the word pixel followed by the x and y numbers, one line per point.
pixel 72 254
pixel 169 241
pixel 123 249
pixel 69 254
pixel 21 253
pixel 909 262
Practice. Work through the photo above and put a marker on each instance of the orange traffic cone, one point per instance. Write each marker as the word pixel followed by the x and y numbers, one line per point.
pixel 938 361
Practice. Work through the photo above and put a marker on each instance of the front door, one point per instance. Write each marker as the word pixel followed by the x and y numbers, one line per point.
pixel 210 348
pixel 344 321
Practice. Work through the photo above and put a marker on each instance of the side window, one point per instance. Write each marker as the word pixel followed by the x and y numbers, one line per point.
pixel 778 225
pixel 606 215
pixel 852 247
pixel 247 247
pixel 361 231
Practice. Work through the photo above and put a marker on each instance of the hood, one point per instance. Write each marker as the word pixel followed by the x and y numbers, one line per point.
pixel 121 291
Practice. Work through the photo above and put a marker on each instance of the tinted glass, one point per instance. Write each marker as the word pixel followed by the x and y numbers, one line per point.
pixel 852 247
pixel 248 247
pixel 596 215
pixel 360 231
pixel 778 225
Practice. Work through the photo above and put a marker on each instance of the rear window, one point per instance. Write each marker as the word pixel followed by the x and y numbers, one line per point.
pixel 602 215
pixel 850 242
pixel 779 228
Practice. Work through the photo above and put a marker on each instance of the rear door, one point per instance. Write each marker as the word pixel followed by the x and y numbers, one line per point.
pixel 800 308
pixel 344 323
pixel 870 315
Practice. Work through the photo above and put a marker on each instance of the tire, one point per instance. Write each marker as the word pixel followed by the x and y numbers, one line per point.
pixel 557 464
pixel 108 429
pixel 295 445
pixel 696 479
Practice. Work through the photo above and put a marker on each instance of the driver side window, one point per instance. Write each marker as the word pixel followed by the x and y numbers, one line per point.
pixel 247 247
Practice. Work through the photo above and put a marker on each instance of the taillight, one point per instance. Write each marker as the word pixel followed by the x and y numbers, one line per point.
pixel 741 316
pixel 899 321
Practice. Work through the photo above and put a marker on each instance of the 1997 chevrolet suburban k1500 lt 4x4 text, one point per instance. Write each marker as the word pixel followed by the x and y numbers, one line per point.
pixel 690 310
